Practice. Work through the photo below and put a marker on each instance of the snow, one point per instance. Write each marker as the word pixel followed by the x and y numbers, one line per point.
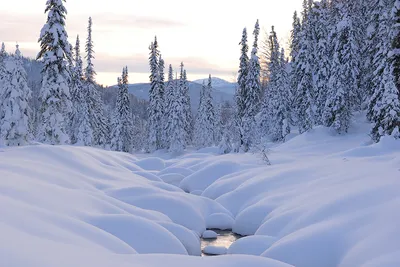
pixel 209 234
pixel 220 221
pixel 215 250
pixel 251 245
pixel 327 200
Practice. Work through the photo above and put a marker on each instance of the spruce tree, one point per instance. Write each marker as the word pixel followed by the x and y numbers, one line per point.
pixel 176 120
pixel 205 119
pixel 169 95
pixel 98 121
pixel 275 109
pixel 55 52
pixel 304 106
pixel 81 129
pixel 294 75
pixel 387 108
pixel 341 84
pixel 14 119
pixel 156 101
pixel 379 46
pixel 187 110
pixel 323 62
pixel 253 92
pixel 122 127
pixel 240 94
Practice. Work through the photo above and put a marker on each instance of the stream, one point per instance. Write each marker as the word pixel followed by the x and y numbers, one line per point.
pixel 225 239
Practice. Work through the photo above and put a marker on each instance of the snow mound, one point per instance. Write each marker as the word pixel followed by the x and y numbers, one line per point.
pixel 151 164
pixel 221 221
pixel 207 175
pixel 208 234
pixel 251 245
pixel 135 232
pixel 197 192
pixel 215 250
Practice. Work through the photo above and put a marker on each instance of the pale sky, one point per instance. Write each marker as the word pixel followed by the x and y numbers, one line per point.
pixel 203 34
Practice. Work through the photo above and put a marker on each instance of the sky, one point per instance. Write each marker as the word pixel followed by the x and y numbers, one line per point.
pixel 205 34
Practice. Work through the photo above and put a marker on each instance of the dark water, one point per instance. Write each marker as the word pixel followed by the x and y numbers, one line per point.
pixel 225 239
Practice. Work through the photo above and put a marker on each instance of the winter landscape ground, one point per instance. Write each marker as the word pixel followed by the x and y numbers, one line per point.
pixel 326 200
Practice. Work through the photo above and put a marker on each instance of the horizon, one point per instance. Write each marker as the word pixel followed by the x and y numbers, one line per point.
pixel 122 37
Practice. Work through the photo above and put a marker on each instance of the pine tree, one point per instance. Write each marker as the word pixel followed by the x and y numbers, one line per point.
pixel 379 47
pixel 98 121
pixel 81 129
pixel 253 92
pixel 89 70
pixel 338 107
pixel 205 119
pixel 200 137
pixel 3 70
pixel 241 93
pixel 294 76
pixel 14 119
pixel 275 109
pixel 55 52
pixel 323 62
pixel 305 88
pixel 156 101
pixel 169 98
pixel 387 107
pixel 187 110
pixel 176 121
pixel 161 68
pixel 122 127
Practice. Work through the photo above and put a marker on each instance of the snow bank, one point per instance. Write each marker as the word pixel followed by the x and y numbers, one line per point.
pixel 215 250
pixel 220 221
pixel 209 234
pixel 251 245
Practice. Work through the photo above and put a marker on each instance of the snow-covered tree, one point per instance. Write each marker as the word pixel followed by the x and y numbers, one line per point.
pixel 156 101
pixel 294 51
pixel 122 127
pixel 379 46
pixel 386 112
pixel 205 119
pixel 253 92
pixel 14 119
pixel 342 84
pixel 275 109
pixel 241 92
pixel 98 121
pixel 323 63
pixel 3 70
pixel 168 98
pixel 176 122
pixel 81 129
pixel 187 109
pixel 304 106
pixel 89 49
pixel 55 52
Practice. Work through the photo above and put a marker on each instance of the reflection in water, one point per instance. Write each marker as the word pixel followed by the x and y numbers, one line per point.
pixel 225 239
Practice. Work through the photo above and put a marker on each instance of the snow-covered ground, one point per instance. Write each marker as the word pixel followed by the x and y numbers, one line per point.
pixel 327 200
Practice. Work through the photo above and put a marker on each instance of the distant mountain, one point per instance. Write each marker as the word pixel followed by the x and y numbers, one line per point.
pixel 141 91
pixel 220 85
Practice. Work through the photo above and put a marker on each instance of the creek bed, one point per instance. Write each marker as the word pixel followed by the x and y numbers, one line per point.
pixel 225 239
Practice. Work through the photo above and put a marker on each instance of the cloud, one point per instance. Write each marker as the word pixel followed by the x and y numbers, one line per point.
pixel 26 27
pixel 133 21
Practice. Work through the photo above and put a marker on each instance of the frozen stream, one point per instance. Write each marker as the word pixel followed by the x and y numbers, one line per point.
pixel 225 239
